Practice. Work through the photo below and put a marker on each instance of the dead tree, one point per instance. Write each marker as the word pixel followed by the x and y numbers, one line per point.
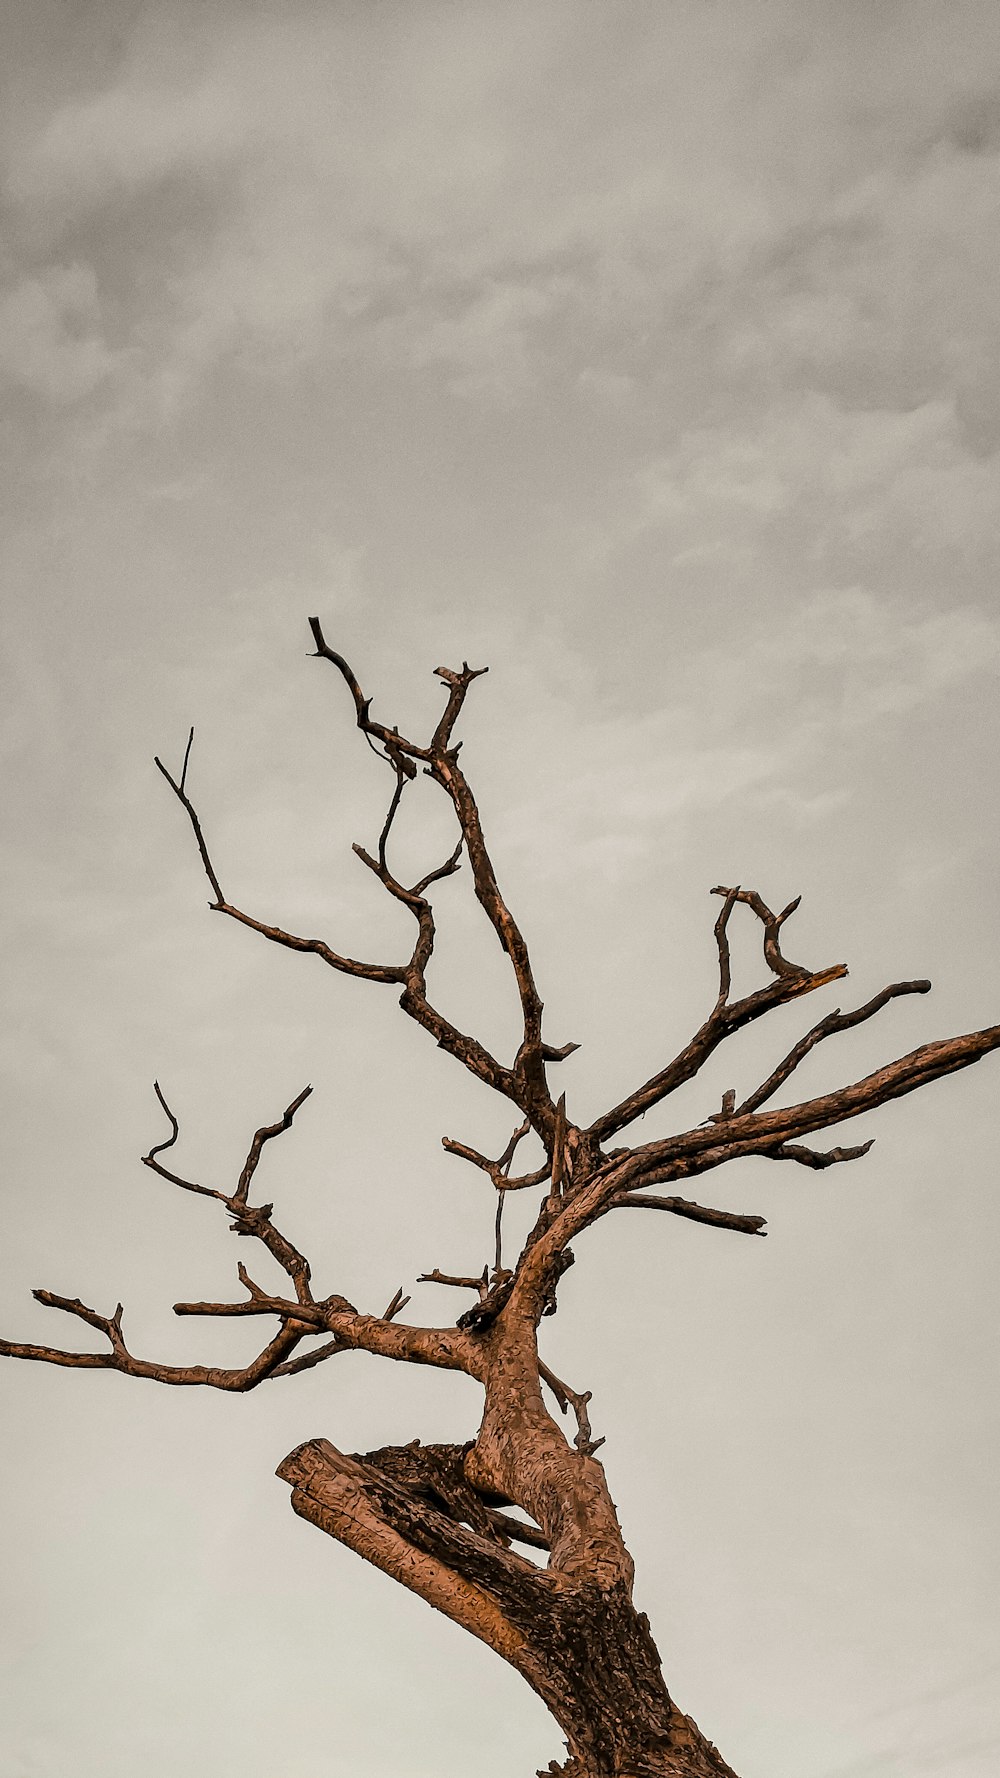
pixel 437 1517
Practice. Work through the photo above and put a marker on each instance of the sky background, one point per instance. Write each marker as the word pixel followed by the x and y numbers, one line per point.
pixel 647 353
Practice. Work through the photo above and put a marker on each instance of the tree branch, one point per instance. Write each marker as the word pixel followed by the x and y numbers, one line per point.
pixel 816 1158
pixel 469 1577
pixel 397 1303
pixel 566 1397
pixel 183 798
pixel 833 1022
pixel 772 1134
pixel 264 1134
pixel 390 738
pixel 531 1089
pixel 480 1285
pixel 149 1160
pixel 306 1360
pixel 121 1359
pixel 722 1219
pixel 250 1220
pixel 528 1086
pixel 754 1132
pixel 447 1348
pixel 499 1171
pixel 410 976
pixel 373 972
pixel 790 981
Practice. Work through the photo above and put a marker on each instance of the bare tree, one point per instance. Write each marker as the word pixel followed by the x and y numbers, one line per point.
pixel 438 1518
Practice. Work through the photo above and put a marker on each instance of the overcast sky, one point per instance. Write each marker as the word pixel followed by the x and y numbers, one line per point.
pixel 647 353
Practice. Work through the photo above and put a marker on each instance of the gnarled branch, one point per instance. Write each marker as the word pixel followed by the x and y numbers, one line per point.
pixel 773 1134
pixel 121 1359
pixel 469 1576
pixel 300 1318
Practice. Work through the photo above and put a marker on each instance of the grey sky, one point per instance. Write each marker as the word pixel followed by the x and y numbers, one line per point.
pixel 647 352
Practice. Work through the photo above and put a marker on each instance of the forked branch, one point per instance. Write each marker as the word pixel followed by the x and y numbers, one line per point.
pixel 499 1170
pixel 727 1016
pixel 621 1178
pixel 373 972
pixel 299 1318
pixel 400 754
pixel 566 1397
pixel 121 1359
pixel 833 1022
pixel 528 1086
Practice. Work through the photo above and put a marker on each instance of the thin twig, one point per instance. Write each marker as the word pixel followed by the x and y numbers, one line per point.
pixel 182 797
pixel 480 1285
pixel 264 1135
pixel 396 1306
pixel 566 1397
pixel 149 1160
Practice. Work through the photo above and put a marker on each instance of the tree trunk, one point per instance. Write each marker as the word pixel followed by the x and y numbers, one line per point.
pixel 600 1676
pixel 432 1517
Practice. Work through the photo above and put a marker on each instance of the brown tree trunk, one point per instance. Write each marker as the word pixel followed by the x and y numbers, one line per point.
pixel 601 1679
pixel 592 1658
pixel 581 1646
pixel 432 1517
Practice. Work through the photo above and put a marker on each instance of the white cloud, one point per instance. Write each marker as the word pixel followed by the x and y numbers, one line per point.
pixel 869 658
pixel 748 729
pixel 486 347
pixel 52 338
pixel 448 184
pixel 851 482
pixel 128 137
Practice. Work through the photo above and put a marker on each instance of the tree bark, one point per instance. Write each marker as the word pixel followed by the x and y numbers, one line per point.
pixel 432 1517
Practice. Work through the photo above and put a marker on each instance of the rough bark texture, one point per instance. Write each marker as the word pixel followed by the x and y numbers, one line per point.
pixel 578 1639
pixel 444 1520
